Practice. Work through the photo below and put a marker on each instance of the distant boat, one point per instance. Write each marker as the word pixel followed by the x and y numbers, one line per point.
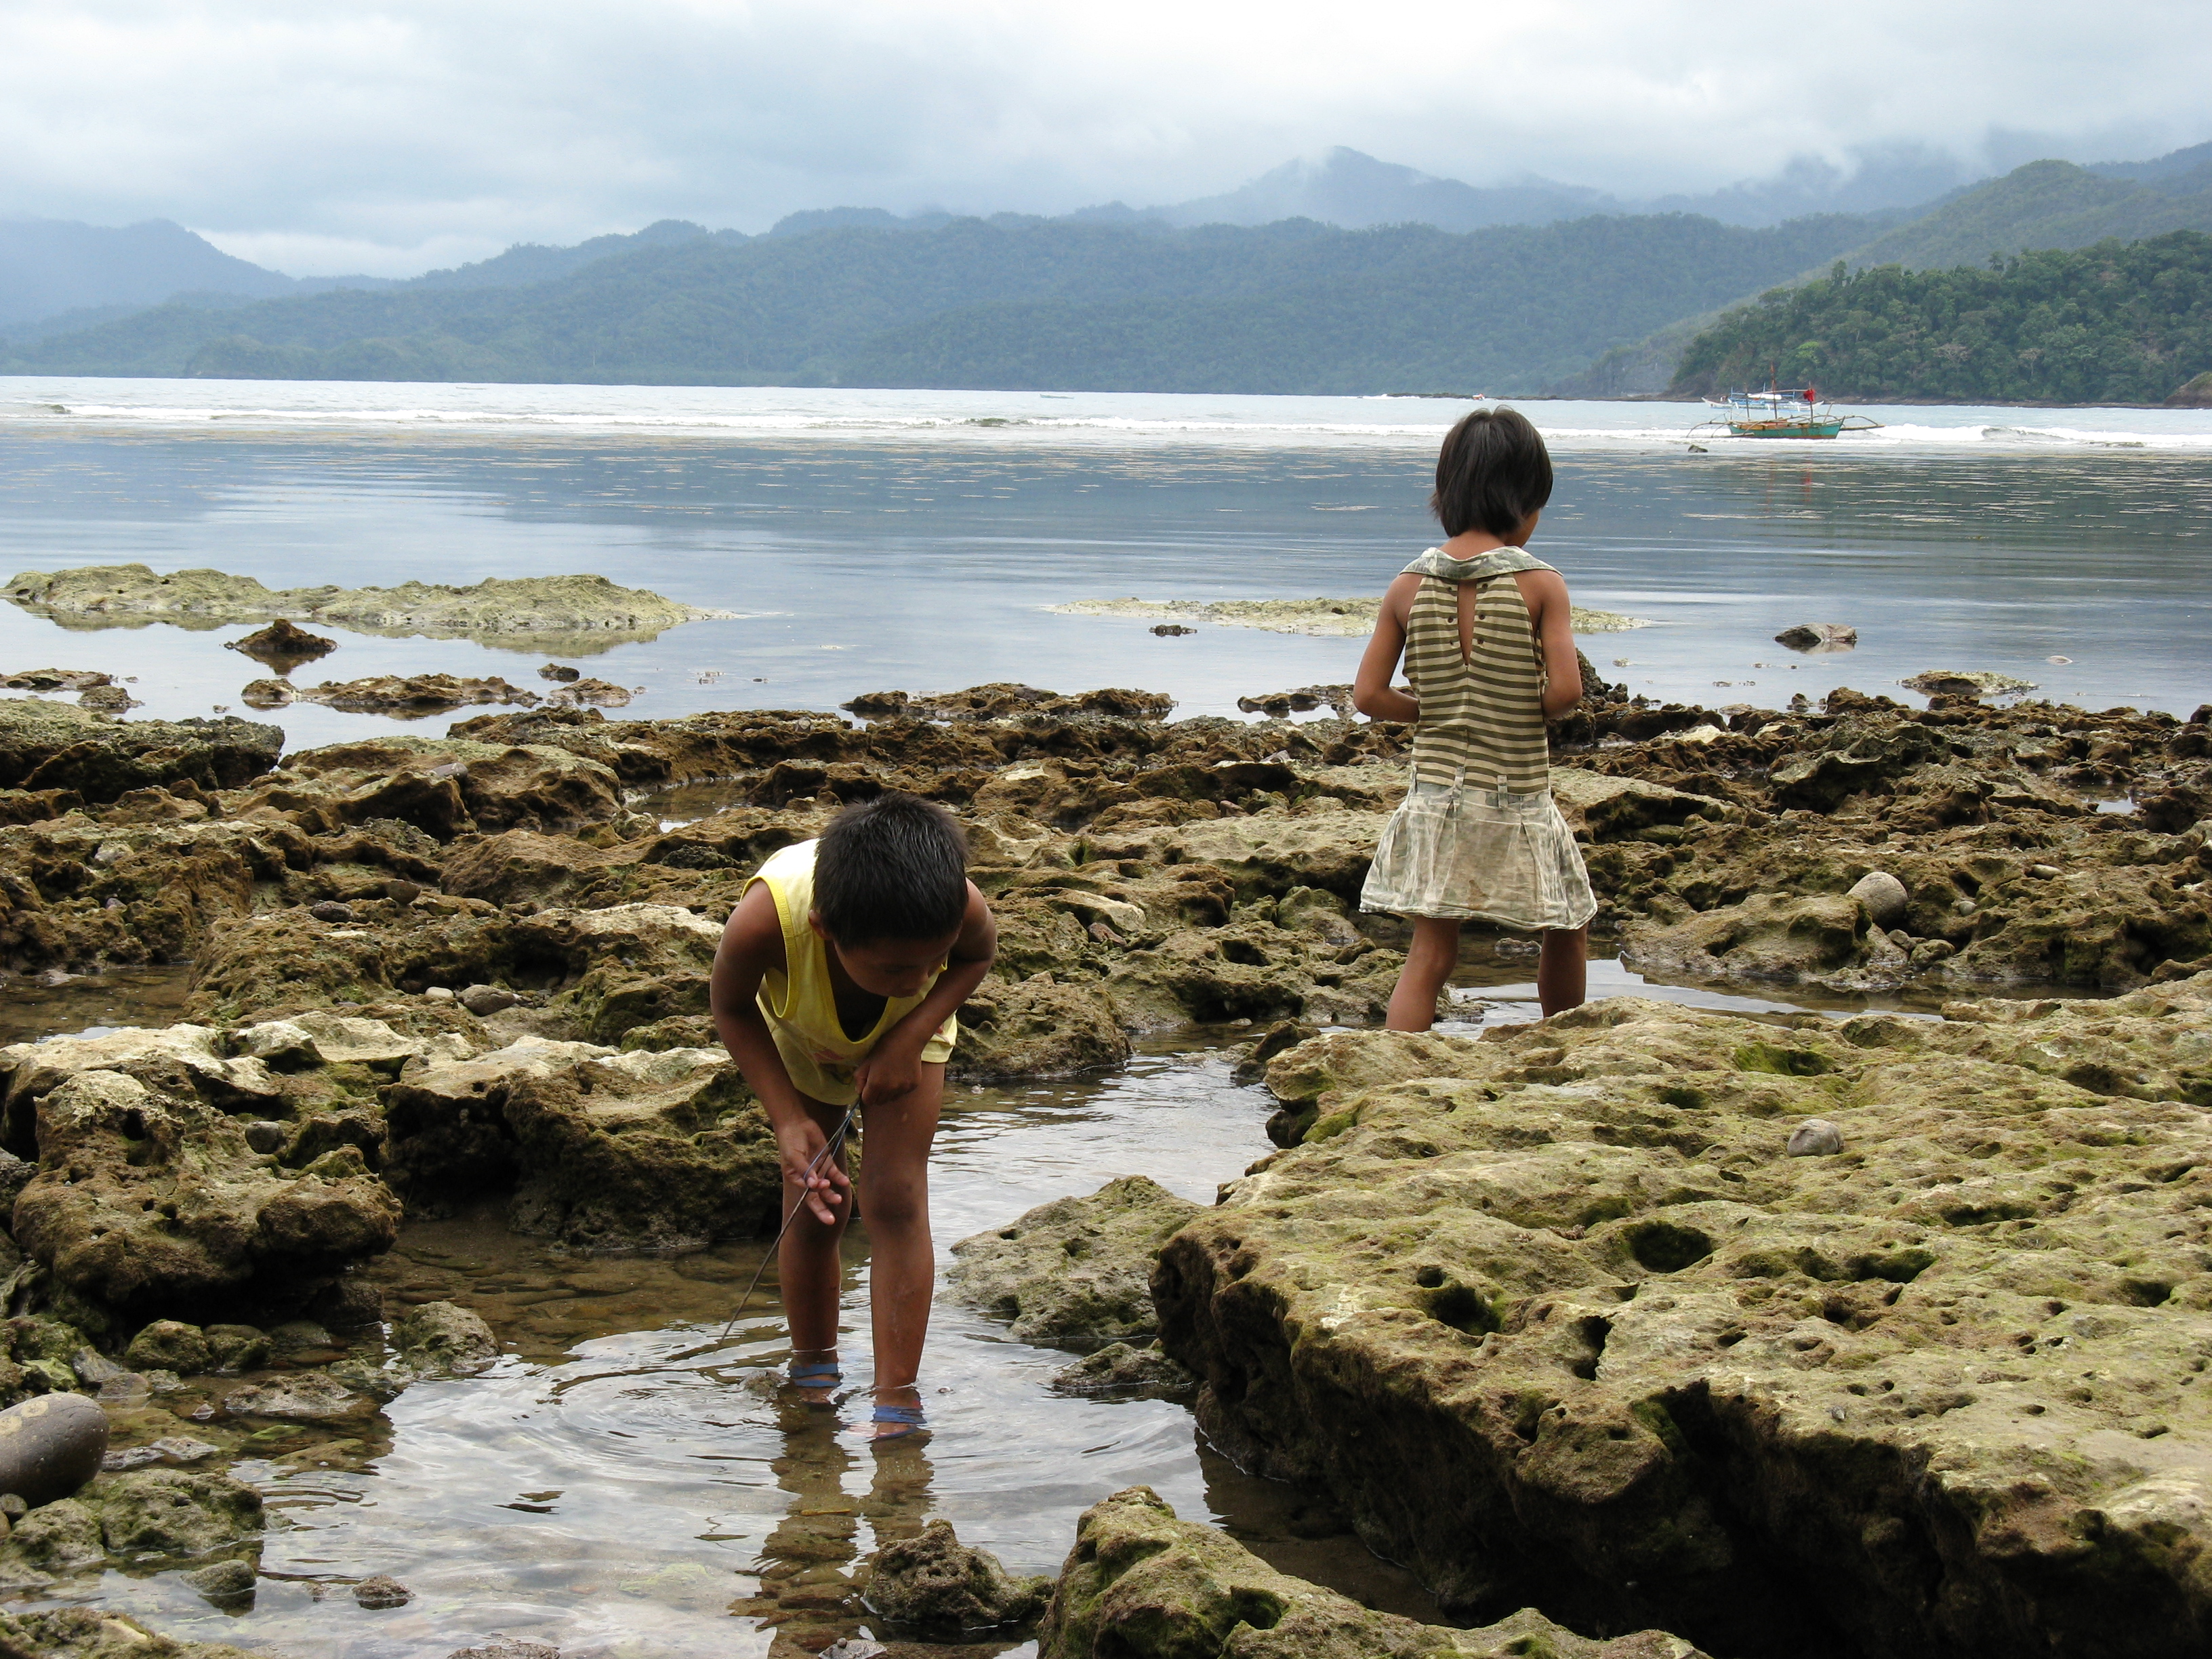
pixel 1775 413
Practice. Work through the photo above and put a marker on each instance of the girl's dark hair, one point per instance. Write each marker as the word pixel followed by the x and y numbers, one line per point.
pixel 1493 472
pixel 893 867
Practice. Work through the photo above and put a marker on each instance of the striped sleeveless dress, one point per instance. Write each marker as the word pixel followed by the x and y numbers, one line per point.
pixel 1479 837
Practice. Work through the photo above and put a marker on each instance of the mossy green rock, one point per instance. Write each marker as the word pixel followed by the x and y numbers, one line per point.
pixel 935 1585
pixel 1561 1322
pixel 58 746
pixel 1074 1271
pixel 169 1345
pixel 1142 1584
pixel 553 608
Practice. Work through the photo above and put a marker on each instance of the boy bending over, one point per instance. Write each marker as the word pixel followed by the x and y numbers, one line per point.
pixel 835 987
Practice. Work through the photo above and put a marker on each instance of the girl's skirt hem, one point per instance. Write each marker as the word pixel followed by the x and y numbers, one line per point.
pixel 1465 854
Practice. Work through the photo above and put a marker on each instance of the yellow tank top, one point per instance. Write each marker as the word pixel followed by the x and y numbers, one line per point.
pixel 800 1003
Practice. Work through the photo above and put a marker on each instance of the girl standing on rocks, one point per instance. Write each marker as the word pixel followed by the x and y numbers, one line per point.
pixel 835 989
pixel 1487 637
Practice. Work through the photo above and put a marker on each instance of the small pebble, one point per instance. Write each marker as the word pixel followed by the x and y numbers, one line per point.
pixel 13 1506
pixel 438 994
pixel 382 1591
pixel 2044 871
pixel 330 910
pixel 1816 1138
pixel 266 1136
pixel 402 892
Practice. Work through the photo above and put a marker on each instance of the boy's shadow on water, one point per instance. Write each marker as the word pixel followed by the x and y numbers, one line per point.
pixel 807 1595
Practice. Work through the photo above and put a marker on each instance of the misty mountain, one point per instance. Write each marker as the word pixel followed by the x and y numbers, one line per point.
pixel 48 265
pixel 1294 305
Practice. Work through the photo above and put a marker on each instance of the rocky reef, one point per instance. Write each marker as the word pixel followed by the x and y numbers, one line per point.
pixel 562 607
pixel 1872 1335
pixel 1575 1315
pixel 1142 1584
pixel 1352 618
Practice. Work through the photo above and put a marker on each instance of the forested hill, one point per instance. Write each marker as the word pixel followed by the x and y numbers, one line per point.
pixel 1294 307
pixel 2045 205
pixel 2123 323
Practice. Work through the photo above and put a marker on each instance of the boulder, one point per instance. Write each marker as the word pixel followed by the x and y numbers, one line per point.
pixel 409 696
pixel 1563 1323
pixel 1818 636
pixel 439 1339
pixel 665 1147
pixel 299 1397
pixel 1142 1584
pixel 283 645
pixel 169 1345
pixel 1036 1028
pixel 1819 937
pixel 102 1633
pixel 150 1200
pixel 1123 1372
pixel 936 1586
pixel 1884 896
pixel 51 745
pixel 1074 1271
pixel 49 1446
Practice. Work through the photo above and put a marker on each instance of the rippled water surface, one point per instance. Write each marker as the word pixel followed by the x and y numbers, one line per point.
pixel 913 540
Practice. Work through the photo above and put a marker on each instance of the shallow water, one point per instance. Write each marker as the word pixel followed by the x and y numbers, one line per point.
pixel 626 1483
pixel 881 540
pixel 624 1476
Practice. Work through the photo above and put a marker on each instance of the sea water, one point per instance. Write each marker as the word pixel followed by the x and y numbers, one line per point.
pixel 916 540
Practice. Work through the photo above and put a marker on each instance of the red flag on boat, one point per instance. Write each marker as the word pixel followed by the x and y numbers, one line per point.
pixel 1809 397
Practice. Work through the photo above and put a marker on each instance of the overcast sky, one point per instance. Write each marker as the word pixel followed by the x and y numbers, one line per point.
pixel 320 138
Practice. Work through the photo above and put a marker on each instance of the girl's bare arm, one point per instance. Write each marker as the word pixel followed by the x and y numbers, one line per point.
pixel 1372 694
pixel 1544 592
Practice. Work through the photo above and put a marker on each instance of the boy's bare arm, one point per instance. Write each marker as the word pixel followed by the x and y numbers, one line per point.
pixel 1372 694
pixel 752 945
pixel 893 1066
pixel 1544 592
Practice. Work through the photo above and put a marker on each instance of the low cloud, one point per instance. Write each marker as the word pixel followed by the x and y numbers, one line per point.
pixel 394 136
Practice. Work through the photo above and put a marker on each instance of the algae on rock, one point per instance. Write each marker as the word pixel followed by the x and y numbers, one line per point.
pixel 1557 1318
pixel 582 608
pixel 1074 1271
pixel 1142 1584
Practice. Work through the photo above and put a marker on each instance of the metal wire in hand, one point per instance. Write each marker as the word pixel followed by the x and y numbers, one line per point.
pixel 829 1150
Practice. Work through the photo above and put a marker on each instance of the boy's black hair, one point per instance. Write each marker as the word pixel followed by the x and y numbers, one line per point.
pixel 893 867
pixel 1493 472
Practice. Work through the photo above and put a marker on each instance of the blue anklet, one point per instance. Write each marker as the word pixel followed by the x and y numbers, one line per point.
pixel 909 1419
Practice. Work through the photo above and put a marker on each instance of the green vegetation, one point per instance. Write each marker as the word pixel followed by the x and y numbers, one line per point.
pixel 2044 205
pixel 2118 323
pixel 1292 306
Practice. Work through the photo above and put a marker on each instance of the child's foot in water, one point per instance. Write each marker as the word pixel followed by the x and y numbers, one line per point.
pixel 814 1374
pixel 897 1415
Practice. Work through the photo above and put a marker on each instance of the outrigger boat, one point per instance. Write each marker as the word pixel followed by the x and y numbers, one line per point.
pixel 1775 413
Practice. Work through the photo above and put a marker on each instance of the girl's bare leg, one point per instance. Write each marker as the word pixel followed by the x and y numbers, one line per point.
pixel 1562 971
pixel 808 1265
pixel 895 1201
pixel 1429 963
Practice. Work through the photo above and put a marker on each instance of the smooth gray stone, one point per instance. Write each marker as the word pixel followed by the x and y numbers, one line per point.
pixel 1816 1138
pixel 51 1446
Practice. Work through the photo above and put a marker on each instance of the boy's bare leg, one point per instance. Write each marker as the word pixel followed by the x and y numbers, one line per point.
pixel 1429 963
pixel 1563 971
pixel 894 1199
pixel 808 1265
